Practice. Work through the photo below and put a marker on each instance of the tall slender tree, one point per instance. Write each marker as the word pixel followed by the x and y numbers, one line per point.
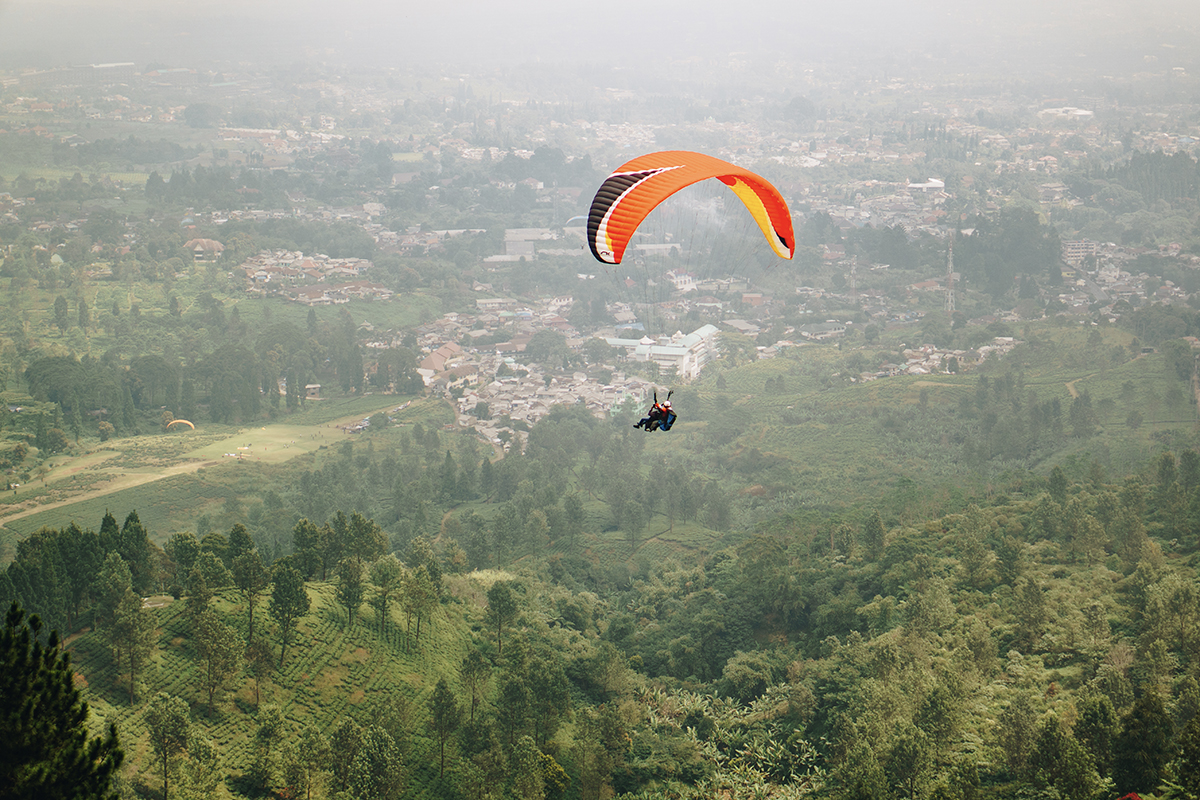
pixel 251 579
pixel 501 610
pixel 167 721
pixel 289 602
pixel 474 673
pixel 445 715
pixel 220 652
pixel 309 760
pixel 350 588
pixel 387 574
pixel 259 663
pixel 111 585
pixel 1144 747
pixel 132 634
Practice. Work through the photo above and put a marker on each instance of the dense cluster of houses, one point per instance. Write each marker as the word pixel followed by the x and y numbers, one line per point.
pixel 527 397
pixel 315 280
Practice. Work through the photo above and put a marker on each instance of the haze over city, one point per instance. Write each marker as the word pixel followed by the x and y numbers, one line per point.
pixel 1019 35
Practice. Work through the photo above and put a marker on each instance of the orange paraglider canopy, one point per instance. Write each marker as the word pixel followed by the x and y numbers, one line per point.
pixel 180 422
pixel 633 191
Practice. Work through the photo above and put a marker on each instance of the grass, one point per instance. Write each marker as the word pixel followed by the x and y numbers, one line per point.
pixel 171 479
pixel 12 172
pixel 331 671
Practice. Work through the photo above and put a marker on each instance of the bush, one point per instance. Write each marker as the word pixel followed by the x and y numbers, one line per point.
pixel 747 676
pixel 56 440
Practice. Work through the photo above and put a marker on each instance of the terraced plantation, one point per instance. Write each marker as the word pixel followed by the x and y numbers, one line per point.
pixel 331 671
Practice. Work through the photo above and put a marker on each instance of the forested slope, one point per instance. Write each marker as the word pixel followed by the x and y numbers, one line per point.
pixel 1040 644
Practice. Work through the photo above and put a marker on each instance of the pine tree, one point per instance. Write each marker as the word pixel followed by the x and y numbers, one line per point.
pixel 61 313
pixel 350 589
pixel 134 547
pixel 1144 746
pixel 112 583
pixel 251 579
pixel 874 535
pixel 239 542
pixel 501 610
pixel 446 716
pixel 128 416
pixel 474 673
pixel 289 602
pixel 168 724
pixel 219 650
pixel 132 634
pixel 387 574
pixel 76 418
pixel 48 753
pixel 1187 768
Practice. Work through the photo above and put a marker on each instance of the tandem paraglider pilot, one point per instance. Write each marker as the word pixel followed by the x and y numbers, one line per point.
pixel 661 415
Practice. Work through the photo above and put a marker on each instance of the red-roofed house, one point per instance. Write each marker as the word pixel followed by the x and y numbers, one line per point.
pixel 205 249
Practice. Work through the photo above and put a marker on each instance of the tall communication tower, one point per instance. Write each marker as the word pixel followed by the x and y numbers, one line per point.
pixel 854 279
pixel 950 277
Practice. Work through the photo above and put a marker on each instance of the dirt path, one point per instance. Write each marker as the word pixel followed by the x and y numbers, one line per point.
pixel 120 479
pixel 1071 384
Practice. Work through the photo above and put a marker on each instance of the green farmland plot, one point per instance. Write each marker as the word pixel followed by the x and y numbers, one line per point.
pixel 171 479
pixel 331 671
pixel 164 506
pixel 128 179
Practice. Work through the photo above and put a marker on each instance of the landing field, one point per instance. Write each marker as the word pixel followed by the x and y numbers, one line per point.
pixel 153 473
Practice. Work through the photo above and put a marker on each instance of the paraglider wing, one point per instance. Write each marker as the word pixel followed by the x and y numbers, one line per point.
pixel 633 191
pixel 180 422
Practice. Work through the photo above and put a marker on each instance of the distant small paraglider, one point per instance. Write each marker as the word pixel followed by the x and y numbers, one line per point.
pixel 180 422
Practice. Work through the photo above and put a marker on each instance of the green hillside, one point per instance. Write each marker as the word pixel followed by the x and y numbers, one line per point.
pixel 798 427
pixel 1021 647
pixel 331 671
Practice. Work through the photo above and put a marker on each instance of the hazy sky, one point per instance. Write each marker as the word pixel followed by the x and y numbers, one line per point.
pixel 45 32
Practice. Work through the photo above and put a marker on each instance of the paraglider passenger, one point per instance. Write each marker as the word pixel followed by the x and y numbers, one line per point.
pixel 660 416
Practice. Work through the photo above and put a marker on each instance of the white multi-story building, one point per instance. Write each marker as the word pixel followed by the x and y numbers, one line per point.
pixel 685 355
pixel 683 280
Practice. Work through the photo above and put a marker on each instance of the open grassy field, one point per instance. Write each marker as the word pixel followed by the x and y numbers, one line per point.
pixel 127 179
pixel 174 477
